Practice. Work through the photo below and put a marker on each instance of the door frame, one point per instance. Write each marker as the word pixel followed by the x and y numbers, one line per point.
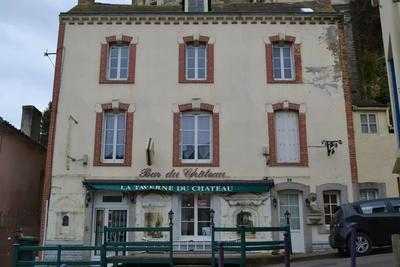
pixel 194 237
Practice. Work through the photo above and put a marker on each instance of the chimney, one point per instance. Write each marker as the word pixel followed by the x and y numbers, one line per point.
pixel 30 122
pixel 85 2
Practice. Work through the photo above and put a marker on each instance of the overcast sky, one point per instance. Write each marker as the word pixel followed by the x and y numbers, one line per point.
pixel 28 28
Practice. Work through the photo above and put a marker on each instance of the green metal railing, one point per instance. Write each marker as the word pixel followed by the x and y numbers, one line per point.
pixel 147 246
pixel 244 246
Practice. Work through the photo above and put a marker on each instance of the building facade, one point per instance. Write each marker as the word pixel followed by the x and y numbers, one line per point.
pixel 376 151
pixel 241 108
pixel 22 160
pixel 390 19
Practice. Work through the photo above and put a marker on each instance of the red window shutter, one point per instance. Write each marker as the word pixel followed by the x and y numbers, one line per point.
pixel 269 66
pixel 176 162
pixel 129 137
pixel 132 63
pixel 97 139
pixel 297 63
pixel 210 63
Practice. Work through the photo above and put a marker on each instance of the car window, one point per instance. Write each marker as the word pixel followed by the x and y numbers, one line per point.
pixel 395 203
pixel 373 207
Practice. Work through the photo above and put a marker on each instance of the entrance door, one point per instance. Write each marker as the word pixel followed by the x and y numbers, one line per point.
pixel 290 200
pixel 195 217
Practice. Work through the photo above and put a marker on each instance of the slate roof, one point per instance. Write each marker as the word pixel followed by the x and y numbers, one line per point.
pixel 367 103
pixel 265 8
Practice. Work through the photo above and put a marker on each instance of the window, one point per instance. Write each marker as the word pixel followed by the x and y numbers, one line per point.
pixel 287 137
pixel 195 215
pixel 114 137
pixel 289 201
pixel 282 62
pixel 118 63
pixel 196 6
pixel 368 123
pixel 373 207
pixel 196 62
pixel 244 218
pixel 395 203
pixel 196 137
pixel 368 194
pixel 331 205
pixel 65 220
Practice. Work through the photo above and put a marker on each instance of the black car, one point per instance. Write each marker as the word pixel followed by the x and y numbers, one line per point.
pixel 374 221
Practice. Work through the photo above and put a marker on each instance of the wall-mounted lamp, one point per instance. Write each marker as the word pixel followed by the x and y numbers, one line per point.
pixel 88 198
pixel 331 145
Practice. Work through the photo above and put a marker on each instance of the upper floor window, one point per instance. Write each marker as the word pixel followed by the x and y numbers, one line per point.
pixel 196 62
pixel 283 62
pixel 114 137
pixel 196 5
pixel 368 123
pixel 118 62
pixel 196 137
pixel 287 137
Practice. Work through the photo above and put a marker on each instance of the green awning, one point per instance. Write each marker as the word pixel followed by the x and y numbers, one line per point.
pixel 181 186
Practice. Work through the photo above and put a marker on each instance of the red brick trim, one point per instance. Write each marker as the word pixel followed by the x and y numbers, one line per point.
pixel 98 137
pixel 272 136
pixel 176 160
pixel 344 62
pixel 104 54
pixel 182 60
pixel 298 69
pixel 52 131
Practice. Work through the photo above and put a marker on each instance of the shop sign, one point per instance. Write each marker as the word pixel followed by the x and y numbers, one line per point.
pixel 182 188
pixel 186 172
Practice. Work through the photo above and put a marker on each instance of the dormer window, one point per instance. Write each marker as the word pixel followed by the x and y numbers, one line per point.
pixel 196 5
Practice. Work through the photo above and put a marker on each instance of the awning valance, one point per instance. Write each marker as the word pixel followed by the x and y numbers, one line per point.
pixel 181 186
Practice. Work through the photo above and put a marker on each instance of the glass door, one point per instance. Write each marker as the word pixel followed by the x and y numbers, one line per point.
pixel 195 217
pixel 109 218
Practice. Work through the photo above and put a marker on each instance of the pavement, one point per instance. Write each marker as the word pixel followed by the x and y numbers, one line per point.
pixel 379 258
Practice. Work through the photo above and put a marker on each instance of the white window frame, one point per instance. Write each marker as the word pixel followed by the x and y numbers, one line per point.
pixel 205 6
pixel 369 192
pixel 196 160
pixel 281 58
pixel 119 58
pixel 195 220
pixel 278 152
pixel 368 124
pixel 196 63
pixel 330 204
pixel 103 143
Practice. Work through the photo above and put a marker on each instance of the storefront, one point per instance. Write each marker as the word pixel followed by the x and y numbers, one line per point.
pixel 147 203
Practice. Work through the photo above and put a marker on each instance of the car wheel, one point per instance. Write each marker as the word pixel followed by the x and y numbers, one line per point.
pixel 363 244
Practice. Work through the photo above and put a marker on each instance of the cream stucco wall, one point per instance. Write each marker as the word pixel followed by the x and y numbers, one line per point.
pixel 376 153
pixel 390 21
pixel 240 93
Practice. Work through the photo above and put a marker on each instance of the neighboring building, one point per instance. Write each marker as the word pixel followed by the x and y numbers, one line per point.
pixel 390 20
pixel 376 151
pixel 196 110
pixel 21 177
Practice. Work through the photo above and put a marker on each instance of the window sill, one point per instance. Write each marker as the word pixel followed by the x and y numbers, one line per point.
pixel 104 164
pixel 117 82
pixel 288 164
pixel 285 81
pixel 196 81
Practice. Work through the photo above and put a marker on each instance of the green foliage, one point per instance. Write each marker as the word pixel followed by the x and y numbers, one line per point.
pixel 369 49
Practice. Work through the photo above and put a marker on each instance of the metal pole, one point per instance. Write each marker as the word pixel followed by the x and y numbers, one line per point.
pixel 58 255
pixel 15 255
pixel 287 247
pixel 353 247
pixel 221 255
pixel 242 246
pixel 212 212
pixel 171 248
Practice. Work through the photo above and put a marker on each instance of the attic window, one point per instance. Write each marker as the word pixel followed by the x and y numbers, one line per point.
pixel 307 10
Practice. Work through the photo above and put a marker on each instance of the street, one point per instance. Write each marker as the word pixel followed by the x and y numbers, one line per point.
pixel 377 259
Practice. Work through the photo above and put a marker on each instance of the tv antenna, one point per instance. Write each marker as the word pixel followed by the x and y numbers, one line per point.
pixel 48 54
